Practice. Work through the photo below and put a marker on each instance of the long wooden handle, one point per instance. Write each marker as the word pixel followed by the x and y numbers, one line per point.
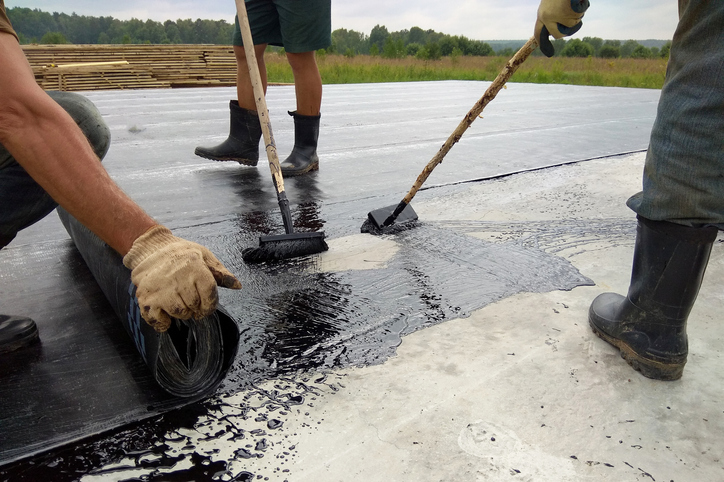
pixel 259 98
pixel 489 95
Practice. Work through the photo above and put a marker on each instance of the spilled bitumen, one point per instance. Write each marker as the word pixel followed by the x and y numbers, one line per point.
pixel 296 320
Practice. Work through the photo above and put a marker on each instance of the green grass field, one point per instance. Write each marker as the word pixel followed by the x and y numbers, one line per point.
pixel 337 69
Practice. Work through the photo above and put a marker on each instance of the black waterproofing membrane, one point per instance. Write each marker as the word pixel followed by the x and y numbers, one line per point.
pixel 99 367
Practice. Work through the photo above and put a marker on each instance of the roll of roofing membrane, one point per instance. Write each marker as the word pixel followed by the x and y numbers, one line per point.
pixel 192 356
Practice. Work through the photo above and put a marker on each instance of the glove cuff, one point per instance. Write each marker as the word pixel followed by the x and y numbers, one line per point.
pixel 156 237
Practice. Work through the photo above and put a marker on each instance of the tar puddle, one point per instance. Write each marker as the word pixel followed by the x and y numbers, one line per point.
pixel 300 328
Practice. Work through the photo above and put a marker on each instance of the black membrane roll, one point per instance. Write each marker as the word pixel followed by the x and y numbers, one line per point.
pixel 192 356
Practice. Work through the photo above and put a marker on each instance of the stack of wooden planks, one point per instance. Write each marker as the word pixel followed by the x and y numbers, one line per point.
pixel 98 67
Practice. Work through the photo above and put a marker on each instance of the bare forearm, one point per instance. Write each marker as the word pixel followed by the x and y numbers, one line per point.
pixel 54 151
pixel 45 140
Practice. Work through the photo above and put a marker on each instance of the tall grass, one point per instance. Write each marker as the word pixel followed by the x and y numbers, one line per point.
pixel 337 69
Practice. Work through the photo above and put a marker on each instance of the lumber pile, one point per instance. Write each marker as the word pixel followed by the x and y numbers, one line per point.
pixel 98 67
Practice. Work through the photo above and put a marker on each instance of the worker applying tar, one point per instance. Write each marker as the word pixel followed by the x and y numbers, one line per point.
pixel 301 28
pixel 50 146
pixel 681 206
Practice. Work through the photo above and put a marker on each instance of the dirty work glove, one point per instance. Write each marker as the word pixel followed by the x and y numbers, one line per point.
pixel 559 18
pixel 174 277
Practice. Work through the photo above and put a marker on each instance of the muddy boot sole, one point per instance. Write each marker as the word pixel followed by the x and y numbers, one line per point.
pixel 291 173
pixel 647 367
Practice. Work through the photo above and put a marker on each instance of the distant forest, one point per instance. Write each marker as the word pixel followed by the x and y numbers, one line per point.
pixel 36 26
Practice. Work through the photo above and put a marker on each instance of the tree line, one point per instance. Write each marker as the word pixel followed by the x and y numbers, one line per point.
pixel 36 26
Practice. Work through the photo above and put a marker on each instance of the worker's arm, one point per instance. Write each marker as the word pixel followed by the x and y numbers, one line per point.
pixel 173 276
pixel 558 18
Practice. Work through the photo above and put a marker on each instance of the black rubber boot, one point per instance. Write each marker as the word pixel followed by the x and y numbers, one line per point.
pixel 242 145
pixel 303 158
pixel 16 332
pixel 649 325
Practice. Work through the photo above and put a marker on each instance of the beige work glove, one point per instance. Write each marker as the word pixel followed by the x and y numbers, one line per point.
pixel 174 277
pixel 559 18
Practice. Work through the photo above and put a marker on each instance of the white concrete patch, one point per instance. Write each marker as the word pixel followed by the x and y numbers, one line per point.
pixel 357 252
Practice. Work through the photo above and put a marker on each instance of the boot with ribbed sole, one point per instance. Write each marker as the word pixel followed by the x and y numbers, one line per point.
pixel 648 325
pixel 242 145
pixel 303 158
pixel 16 332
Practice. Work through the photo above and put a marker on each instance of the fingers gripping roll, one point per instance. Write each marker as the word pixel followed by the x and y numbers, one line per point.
pixel 175 277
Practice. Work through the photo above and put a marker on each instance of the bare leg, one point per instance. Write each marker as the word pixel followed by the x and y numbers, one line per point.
pixel 307 82
pixel 244 91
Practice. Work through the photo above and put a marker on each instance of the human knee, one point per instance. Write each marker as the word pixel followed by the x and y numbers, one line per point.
pixel 88 118
pixel 302 61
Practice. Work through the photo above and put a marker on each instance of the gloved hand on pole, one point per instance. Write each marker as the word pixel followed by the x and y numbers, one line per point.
pixel 558 18
pixel 175 277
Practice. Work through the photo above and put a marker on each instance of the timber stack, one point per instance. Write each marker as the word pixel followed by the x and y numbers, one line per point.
pixel 105 67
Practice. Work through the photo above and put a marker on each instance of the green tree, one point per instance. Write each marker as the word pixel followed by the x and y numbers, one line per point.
pixel 558 45
pixel 609 52
pixel 393 48
pixel 433 51
pixel 447 45
pixel 665 50
pixel 54 38
pixel 413 48
pixel 641 52
pixel 628 47
pixel 378 35
pixel 455 55
pixel 416 36
pixel 343 39
pixel 577 48
pixel 595 42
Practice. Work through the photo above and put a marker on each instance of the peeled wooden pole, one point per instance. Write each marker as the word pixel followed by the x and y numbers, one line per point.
pixel 376 217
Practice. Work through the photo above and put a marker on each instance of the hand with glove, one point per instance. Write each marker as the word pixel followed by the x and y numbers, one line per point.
pixel 559 18
pixel 174 277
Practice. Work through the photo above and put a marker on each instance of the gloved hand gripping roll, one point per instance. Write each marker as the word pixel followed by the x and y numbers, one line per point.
pixel 189 358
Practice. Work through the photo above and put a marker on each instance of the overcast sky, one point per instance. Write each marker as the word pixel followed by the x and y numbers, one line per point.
pixel 476 19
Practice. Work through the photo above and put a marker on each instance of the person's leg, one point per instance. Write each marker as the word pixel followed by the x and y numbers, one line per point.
pixel 242 144
pixel 23 202
pixel 308 89
pixel 680 207
pixel 244 90
pixel 307 82
pixel 305 28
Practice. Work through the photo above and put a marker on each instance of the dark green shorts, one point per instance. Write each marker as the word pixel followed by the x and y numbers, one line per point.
pixel 296 25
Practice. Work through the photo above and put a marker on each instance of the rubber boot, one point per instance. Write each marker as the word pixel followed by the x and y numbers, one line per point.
pixel 16 332
pixel 648 326
pixel 242 145
pixel 303 158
